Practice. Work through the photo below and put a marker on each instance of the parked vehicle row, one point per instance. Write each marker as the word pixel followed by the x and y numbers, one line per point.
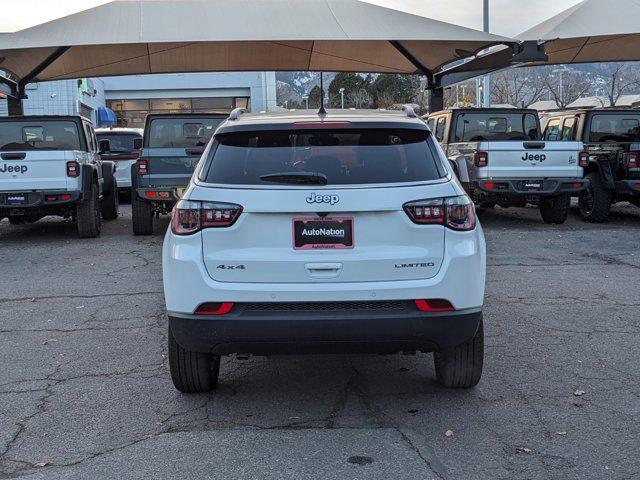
pixel 502 156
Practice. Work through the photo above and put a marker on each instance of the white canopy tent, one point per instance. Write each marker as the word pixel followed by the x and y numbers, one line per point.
pixel 128 37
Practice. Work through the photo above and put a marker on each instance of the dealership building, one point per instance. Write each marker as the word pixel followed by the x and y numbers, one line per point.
pixel 132 98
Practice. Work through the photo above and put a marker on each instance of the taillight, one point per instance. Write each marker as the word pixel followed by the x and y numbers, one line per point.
pixel 481 159
pixel 583 159
pixel 434 305
pixel 143 166
pixel 630 160
pixel 73 169
pixel 456 213
pixel 214 308
pixel 190 217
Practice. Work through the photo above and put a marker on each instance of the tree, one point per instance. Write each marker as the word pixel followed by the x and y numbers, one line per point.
pixel 356 90
pixel 617 79
pixel 565 85
pixel 314 98
pixel 518 87
pixel 395 89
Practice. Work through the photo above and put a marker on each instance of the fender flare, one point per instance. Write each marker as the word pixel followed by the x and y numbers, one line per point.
pixel 108 171
pixel 605 171
pixel 89 175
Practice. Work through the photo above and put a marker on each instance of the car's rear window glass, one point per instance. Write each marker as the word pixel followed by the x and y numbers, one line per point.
pixel 346 156
pixel 118 141
pixel 39 135
pixel 181 132
pixel 615 128
pixel 496 126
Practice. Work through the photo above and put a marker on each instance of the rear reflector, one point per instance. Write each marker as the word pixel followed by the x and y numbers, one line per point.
pixel 489 186
pixel 65 197
pixel 214 308
pixel 434 305
pixel 576 185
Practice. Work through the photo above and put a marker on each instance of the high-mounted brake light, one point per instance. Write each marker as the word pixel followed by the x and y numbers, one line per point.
pixel 214 308
pixel 322 124
pixel 73 169
pixel 583 159
pixel 456 213
pixel 143 166
pixel 630 160
pixel 481 159
pixel 190 217
pixel 434 305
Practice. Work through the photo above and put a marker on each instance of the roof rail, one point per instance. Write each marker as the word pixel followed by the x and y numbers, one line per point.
pixel 235 114
pixel 409 111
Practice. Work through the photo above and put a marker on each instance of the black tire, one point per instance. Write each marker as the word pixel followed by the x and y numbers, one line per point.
pixel 17 220
pixel 555 209
pixel 461 366
pixel 142 215
pixel 192 372
pixel 635 200
pixel 487 204
pixel 89 215
pixel 595 201
pixel 111 202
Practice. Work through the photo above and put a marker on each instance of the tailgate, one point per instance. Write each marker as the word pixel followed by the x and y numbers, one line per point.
pixel 34 170
pixel 269 244
pixel 532 160
pixel 170 167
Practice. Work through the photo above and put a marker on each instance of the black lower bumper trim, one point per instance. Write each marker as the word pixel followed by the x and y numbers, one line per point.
pixel 532 187
pixel 277 333
pixel 33 200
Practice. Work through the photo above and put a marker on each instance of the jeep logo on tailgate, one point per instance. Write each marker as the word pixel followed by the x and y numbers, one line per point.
pixel 330 199
pixel 13 168
pixel 534 158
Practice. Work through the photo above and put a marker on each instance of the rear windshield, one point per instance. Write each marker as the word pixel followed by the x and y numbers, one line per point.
pixel 181 132
pixel 346 157
pixel 39 135
pixel 119 142
pixel 624 127
pixel 496 126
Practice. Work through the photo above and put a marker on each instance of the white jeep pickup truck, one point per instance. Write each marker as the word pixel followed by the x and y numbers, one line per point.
pixel 50 165
pixel 499 158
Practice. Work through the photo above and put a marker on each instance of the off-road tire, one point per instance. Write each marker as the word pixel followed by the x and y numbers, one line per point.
pixel 89 215
pixel 142 215
pixel 192 372
pixel 595 201
pixel 487 204
pixel 461 366
pixel 111 202
pixel 17 220
pixel 555 209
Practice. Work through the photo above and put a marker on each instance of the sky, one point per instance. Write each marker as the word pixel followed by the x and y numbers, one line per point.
pixel 507 17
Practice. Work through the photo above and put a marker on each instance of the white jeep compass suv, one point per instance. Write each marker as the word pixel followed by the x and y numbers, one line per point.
pixel 344 232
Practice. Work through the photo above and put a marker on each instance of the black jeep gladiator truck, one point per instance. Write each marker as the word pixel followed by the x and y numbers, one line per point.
pixel 612 138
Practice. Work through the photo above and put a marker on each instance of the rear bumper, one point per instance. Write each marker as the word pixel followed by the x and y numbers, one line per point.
pixel 629 186
pixel 161 194
pixel 524 187
pixel 291 332
pixel 36 200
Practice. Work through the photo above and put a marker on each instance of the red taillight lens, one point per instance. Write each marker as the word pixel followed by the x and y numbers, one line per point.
pixel 434 305
pixel 214 308
pixel 630 160
pixel 143 166
pixel 73 169
pixel 583 159
pixel 191 217
pixel 456 213
pixel 481 159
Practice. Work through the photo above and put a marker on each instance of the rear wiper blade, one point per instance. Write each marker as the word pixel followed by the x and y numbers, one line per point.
pixel 296 178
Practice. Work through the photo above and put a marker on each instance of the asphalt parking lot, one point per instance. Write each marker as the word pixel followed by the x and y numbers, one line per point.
pixel 85 390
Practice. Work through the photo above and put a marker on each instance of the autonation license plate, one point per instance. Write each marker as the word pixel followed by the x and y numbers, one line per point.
pixel 16 198
pixel 322 233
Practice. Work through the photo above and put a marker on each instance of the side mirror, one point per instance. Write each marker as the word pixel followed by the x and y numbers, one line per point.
pixel 137 143
pixel 104 145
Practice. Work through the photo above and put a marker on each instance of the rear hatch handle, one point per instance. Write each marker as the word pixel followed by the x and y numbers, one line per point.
pixel 192 152
pixel 323 270
pixel 533 145
pixel 13 156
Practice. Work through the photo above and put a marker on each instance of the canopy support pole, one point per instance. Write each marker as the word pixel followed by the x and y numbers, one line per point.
pixel 15 100
pixel 436 99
